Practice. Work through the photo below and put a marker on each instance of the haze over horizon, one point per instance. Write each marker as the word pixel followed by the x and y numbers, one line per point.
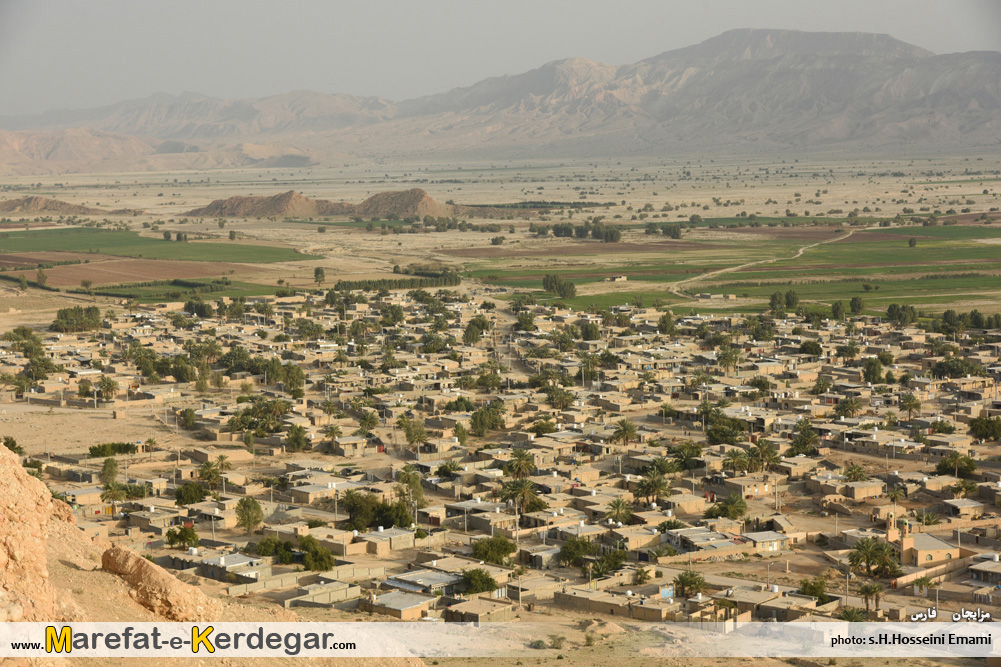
pixel 121 50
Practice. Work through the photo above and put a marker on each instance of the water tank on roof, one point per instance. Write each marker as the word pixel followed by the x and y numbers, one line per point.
pixel 380 529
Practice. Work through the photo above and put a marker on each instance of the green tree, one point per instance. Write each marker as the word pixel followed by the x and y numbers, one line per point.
pixel 494 549
pixel 184 536
pixel 575 550
pixel 319 275
pixel 815 587
pixel 872 370
pixel 478 580
pixel 109 471
pixel 956 464
pixel 249 514
pixel 811 347
pixel 295 439
pixel 189 493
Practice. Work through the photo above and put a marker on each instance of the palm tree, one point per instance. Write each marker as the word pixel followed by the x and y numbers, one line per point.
pixel 707 411
pixel 964 487
pixel 927 518
pixel 871 591
pixel 367 422
pixel 521 465
pixel 588 362
pixel 653 486
pixel 806 440
pixel 852 615
pixel 410 478
pixel 686 455
pixel 113 493
pixel 855 473
pixel 732 507
pixel 208 472
pixel 560 398
pixel 619 510
pixel 735 459
pixel 954 460
pixel 924 583
pixel 864 554
pixel 223 464
pixel 763 455
pixel 662 465
pixel 911 404
pixel 729 358
pixel 522 492
pixel 848 407
pixel 687 584
pixel 107 387
pixel 332 431
pixel 448 468
pixel 896 494
pixel 328 407
pixel 624 432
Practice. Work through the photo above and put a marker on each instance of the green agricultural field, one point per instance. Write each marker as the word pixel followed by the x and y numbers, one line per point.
pixel 948 264
pixel 131 244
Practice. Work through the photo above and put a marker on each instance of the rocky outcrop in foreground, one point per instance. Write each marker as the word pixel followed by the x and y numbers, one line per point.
pixel 158 590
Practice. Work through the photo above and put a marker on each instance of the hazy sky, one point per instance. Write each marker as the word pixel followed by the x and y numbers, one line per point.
pixel 75 53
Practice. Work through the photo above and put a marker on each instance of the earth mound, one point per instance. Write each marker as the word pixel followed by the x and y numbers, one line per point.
pixel 405 204
pixel 286 204
pixel 292 204
pixel 34 204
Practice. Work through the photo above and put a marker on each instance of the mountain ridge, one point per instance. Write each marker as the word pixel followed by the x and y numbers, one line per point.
pixel 753 89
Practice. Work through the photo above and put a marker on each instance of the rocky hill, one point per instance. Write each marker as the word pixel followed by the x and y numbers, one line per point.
pixel 32 205
pixel 385 205
pixel 744 90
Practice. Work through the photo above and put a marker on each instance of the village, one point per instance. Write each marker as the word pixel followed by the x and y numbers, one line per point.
pixel 456 454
